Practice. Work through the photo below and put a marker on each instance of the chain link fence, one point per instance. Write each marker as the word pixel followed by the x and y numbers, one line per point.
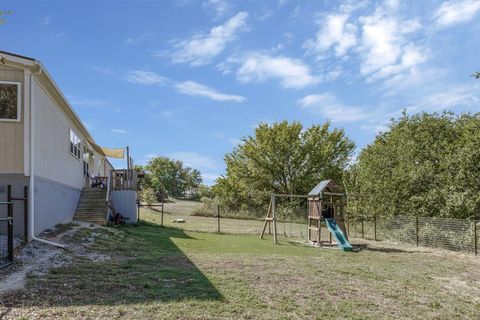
pixel 443 233
pixel 210 217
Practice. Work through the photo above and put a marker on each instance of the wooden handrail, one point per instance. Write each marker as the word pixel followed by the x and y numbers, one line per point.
pixel 107 196
pixel 124 179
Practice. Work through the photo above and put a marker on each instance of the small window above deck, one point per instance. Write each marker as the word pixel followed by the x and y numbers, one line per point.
pixel 10 94
pixel 75 145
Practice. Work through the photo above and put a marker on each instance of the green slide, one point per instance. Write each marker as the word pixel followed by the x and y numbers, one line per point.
pixel 338 234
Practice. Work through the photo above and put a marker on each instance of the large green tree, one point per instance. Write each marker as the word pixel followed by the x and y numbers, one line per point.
pixel 425 165
pixel 171 176
pixel 283 158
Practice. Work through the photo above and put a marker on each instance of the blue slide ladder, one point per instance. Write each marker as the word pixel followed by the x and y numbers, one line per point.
pixel 338 234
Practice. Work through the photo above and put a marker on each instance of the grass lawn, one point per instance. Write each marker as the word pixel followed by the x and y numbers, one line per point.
pixel 183 209
pixel 158 272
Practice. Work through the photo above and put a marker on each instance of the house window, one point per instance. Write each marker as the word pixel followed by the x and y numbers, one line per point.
pixel 85 161
pixel 9 101
pixel 75 144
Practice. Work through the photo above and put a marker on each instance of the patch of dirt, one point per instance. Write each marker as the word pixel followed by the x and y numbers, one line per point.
pixel 35 257
pixel 38 258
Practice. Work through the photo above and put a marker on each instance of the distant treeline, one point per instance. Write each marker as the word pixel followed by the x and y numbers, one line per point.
pixel 424 164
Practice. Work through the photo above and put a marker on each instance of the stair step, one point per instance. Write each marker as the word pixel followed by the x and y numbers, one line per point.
pixel 99 217
pixel 91 205
pixel 91 208
pixel 90 214
pixel 101 223
pixel 93 197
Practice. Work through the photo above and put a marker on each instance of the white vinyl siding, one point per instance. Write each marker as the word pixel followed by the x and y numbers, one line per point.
pixel 53 159
pixel 11 132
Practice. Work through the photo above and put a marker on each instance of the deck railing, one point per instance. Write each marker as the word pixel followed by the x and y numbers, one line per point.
pixel 124 179
pixel 97 181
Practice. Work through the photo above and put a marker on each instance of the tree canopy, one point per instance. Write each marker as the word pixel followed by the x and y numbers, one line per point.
pixel 171 176
pixel 284 158
pixel 425 165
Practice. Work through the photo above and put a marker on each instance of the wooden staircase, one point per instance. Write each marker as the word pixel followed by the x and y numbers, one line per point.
pixel 92 207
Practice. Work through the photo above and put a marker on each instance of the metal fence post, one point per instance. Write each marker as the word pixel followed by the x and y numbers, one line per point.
pixel 25 212
pixel 161 219
pixel 218 218
pixel 475 237
pixel 10 222
pixel 138 211
pixel 416 230
pixel 375 227
pixel 363 230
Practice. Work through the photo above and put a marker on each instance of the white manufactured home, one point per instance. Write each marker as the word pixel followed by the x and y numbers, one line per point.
pixel 45 147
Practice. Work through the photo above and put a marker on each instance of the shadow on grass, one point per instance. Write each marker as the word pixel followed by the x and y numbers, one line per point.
pixel 382 249
pixel 146 266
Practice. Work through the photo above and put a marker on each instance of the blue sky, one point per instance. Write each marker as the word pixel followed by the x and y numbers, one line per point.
pixel 188 79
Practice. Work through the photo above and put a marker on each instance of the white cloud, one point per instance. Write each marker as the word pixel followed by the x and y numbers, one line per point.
pixel 455 12
pixel 383 40
pixel 375 127
pixel 202 48
pixel 334 32
pixel 151 156
pixel 330 107
pixel 209 178
pixel 292 73
pixel 167 113
pixel 92 103
pixel 194 160
pixel 123 131
pixel 385 48
pixel 191 88
pixel 102 70
pixel 417 78
pixel 58 35
pixel 458 96
pixel 221 7
pixel 146 78
pixel 140 38
pixel 235 141
pixel 46 21
pixel 196 89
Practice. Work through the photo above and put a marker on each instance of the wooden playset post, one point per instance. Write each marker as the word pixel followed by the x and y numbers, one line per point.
pixel 333 212
pixel 268 220
pixel 274 219
pixel 320 222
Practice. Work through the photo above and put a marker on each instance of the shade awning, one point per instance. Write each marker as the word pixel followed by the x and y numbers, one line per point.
pixel 118 153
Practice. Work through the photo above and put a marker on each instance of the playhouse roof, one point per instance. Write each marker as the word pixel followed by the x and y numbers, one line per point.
pixel 326 186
